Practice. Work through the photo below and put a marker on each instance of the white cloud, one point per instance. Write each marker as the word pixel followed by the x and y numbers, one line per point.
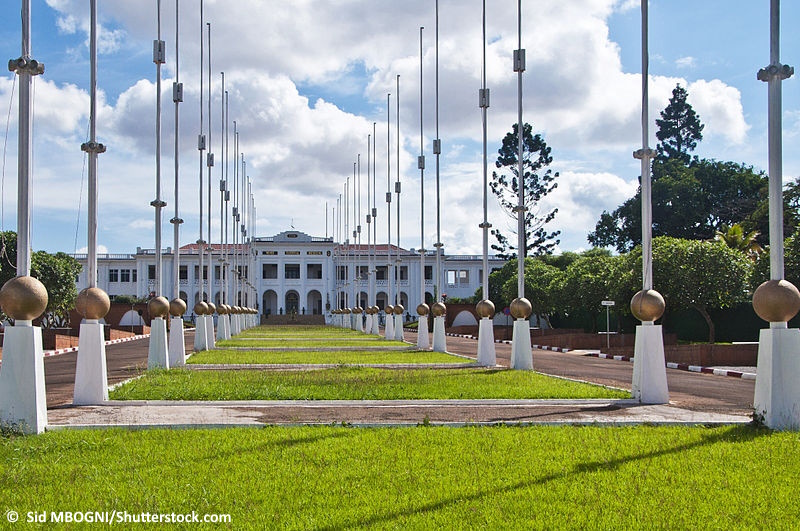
pixel 686 62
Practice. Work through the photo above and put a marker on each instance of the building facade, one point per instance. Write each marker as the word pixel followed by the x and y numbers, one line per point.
pixel 291 272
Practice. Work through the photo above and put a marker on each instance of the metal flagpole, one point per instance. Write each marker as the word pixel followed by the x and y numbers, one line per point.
pixel 438 309
pixel 422 308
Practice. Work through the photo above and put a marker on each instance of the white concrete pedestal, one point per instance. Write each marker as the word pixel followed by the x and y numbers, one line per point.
pixel 157 354
pixel 221 327
pixel 439 338
pixel 388 330
pixel 649 369
pixel 236 329
pixel 777 396
pixel 200 336
pixel 398 328
pixel 368 325
pixel 376 330
pixel 23 403
pixel 209 331
pixel 177 344
pixel 423 341
pixel 521 355
pixel 486 353
pixel 359 323
pixel 91 376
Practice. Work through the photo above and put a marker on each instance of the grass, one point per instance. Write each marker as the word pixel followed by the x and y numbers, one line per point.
pixel 417 478
pixel 354 383
pixel 367 341
pixel 339 357
pixel 301 331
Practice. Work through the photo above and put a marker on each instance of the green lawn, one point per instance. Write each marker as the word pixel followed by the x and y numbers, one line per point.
pixel 300 331
pixel 354 383
pixel 339 357
pixel 366 341
pixel 416 478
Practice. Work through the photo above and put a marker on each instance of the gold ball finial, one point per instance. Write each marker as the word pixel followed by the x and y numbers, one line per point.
pixel 201 308
pixel 93 303
pixel 177 307
pixel 158 307
pixel 485 308
pixel 211 308
pixel 423 309
pixel 776 301
pixel 399 309
pixel 23 298
pixel 438 309
pixel 347 310
pixel 521 308
pixel 648 305
pixel 389 309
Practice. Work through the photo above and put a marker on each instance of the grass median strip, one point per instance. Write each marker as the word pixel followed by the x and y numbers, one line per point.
pixel 354 383
pixel 296 343
pixel 341 357
pixel 416 478
pixel 300 331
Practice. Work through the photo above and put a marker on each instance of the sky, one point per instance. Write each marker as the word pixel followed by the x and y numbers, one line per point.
pixel 307 80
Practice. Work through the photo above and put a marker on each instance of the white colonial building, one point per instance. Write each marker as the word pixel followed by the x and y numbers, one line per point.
pixel 291 272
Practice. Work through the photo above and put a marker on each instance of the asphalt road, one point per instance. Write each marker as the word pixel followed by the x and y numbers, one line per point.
pixel 694 391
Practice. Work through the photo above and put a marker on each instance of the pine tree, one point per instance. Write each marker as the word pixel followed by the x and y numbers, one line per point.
pixel 536 157
pixel 679 128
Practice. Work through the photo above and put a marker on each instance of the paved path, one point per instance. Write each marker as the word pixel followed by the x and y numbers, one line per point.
pixel 695 398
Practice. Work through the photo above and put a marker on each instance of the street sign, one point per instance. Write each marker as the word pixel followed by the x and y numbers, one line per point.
pixel 607 303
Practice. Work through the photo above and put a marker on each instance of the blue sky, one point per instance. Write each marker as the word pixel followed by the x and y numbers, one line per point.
pixel 308 79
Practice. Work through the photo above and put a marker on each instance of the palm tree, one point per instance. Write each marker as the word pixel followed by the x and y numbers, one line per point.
pixel 736 238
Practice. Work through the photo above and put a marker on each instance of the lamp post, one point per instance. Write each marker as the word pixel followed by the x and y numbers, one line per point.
pixel 485 308
pixel 177 306
pixel 158 306
pixel 200 307
pixel 93 303
pixel 777 396
pixel 24 298
pixel 422 309
pixel 438 309
pixel 521 354
pixel 649 384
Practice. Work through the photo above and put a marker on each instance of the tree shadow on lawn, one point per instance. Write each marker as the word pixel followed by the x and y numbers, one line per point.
pixel 282 442
pixel 737 434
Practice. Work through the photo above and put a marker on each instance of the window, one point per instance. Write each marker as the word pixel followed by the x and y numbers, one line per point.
pixel 269 253
pixel 291 271
pixel 183 273
pixel 380 273
pixel 451 275
pixel 292 253
pixel 314 253
pixel 151 272
pixel 269 271
pixel 314 271
pixel 197 272
pixel 341 273
pixel 428 272
pixel 463 277
pixel 403 272
pixel 125 275
pixel 113 275
pixel 134 274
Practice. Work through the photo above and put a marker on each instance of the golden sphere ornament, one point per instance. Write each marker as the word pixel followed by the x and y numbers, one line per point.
pixel 389 309
pixel 93 303
pixel 399 309
pixel 423 309
pixel 201 308
pixel 438 309
pixel 485 308
pixel 177 307
pixel 647 305
pixel 776 301
pixel 521 308
pixel 23 298
pixel 158 307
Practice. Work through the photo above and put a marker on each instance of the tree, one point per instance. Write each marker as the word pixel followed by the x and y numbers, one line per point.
pixel 694 274
pixel 587 282
pixel 56 271
pixel 690 202
pixel 535 158
pixel 679 128
pixel 736 238
pixel 539 281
